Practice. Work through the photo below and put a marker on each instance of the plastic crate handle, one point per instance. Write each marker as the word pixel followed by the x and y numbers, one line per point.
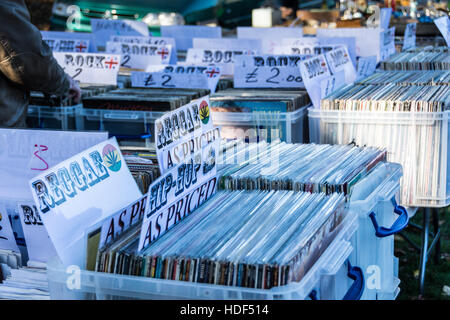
pixel 355 291
pixel 399 224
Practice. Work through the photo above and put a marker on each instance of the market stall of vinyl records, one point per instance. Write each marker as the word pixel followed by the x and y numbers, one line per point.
pixel 269 166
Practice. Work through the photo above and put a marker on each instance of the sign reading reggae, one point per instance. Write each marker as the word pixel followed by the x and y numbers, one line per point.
pixel 187 145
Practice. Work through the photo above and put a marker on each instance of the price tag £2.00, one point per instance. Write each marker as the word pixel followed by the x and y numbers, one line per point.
pixel 94 68
pixel 268 71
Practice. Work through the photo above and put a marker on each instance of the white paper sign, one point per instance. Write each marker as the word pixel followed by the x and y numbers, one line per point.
pixel 387 43
pixel 339 60
pixel 81 192
pixel 61 35
pixel 92 68
pixel 123 220
pixel 317 78
pixel 364 47
pixel 268 71
pixel 224 59
pixel 183 35
pixel 409 39
pixel 178 77
pixel 103 29
pixel 385 17
pixel 7 240
pixel 177 193
pixel 39 246
pixel 366 66
pixel 26 153
pixel 156 41
pixel 140 56
pixel 68 45
pixel 443 25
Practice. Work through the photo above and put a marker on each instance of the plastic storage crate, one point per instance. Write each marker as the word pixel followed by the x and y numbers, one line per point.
pixel 291 127
pixel 419 141
pixel 64 118
pixel 98 285
pixel 123 124
pixel 374 198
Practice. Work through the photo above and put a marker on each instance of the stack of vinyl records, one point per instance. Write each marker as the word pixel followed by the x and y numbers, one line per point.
pixel 431 60
pixel 24 283
pixel 147 99
pixel 237 238
pixel 259 100
pixel 408 78
pixel 408 115
pixel 297 167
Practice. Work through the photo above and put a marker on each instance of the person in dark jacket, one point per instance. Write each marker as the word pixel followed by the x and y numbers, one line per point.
pixel 26 63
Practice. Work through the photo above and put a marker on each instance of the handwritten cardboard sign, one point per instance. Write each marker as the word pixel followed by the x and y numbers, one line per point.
pixel 77 36
pixel 24 153
pixel 39 246
pixel 318 79
pixel 140 55
pixel 387 43
pixel 409 39
pixel 178 192
pixel 81 192
pixel 224 59
pixel 68 45
pixel 443 24
pixel 366 66
pixel 155 41
pixel 268 71
pixel 7 239
pixel 339 60
pixel 175 76
pixel 123 220
pixel 92 68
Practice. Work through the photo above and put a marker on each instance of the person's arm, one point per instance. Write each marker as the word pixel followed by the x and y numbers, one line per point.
pixel 24 58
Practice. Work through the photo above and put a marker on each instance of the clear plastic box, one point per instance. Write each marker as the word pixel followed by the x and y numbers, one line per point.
pixel 291 127
pixel 419 141
pixel 374 200
pixel 98 285
pixel 64 118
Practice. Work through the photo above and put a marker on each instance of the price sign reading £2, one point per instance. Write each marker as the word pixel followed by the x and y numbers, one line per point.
pixel 268 71
pixel 94 68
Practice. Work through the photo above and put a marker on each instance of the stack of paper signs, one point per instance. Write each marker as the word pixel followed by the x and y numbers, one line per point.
pixel 237 238
pixel 297 167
